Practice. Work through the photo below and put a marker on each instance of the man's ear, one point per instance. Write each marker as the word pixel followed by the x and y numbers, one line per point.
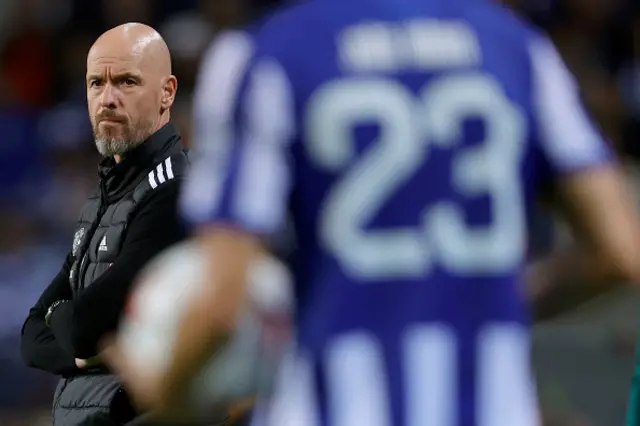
pixel 169 90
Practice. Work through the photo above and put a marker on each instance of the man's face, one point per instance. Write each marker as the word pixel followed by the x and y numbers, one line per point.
pixel 124 98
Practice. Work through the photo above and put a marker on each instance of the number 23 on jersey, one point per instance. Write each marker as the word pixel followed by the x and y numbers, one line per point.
pixel 409 126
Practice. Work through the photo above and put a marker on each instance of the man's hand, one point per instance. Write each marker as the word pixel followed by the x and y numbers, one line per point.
pixel 86 363
pixel 142 385
pixel 145 390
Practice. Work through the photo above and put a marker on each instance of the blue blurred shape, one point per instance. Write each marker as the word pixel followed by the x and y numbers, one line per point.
pixel 21 153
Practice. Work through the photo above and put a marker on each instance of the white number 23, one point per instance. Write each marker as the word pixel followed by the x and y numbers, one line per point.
pixel 409 126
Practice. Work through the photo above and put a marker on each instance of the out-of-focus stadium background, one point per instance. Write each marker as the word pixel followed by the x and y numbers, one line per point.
pixel 48 165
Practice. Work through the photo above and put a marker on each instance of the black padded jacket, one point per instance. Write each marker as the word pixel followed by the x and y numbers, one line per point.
pixel 131 217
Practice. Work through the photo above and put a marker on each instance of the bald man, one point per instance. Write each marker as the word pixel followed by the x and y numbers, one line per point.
pixel 130 88
pixel 130 218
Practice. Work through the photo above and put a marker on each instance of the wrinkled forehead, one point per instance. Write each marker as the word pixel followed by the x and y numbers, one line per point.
pixel 116 59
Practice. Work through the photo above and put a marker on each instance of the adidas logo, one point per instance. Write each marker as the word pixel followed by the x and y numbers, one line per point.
pixel 103 244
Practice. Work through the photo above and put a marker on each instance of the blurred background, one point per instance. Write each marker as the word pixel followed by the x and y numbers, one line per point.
pixel 48 164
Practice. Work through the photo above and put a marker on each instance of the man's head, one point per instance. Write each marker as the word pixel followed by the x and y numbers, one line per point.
pixel 130 88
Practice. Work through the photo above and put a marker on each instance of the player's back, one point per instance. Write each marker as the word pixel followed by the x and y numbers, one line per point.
pixel 410 199
pixel 414 160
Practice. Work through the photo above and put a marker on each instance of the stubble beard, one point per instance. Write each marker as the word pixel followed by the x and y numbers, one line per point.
pixel 110 144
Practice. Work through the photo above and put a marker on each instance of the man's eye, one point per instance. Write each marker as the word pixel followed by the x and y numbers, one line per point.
pixel 129 82
pixel 94 83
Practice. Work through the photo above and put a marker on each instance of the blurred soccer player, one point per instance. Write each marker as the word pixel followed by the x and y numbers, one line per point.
pixel 409 138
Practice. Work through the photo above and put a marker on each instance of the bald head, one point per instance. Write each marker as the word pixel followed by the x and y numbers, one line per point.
pixel 137 41
pixel 130 88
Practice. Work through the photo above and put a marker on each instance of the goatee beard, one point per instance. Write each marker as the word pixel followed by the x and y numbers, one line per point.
pixel 112 147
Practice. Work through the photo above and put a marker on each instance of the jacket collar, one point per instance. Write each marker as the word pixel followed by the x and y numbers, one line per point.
pixel 115 179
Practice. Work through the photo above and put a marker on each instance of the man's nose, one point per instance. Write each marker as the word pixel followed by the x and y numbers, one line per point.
pixel 109 96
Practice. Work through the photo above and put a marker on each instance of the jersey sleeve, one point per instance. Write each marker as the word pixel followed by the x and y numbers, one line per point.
pixel 243 128
pixel 568 138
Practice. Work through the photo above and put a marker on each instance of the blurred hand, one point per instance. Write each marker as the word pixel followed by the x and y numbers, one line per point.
pixel 86 363
pixel 149 396
pixel 143 387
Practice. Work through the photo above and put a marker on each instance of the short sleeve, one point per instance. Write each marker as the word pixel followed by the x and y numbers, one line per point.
pixel 568 138
pixel 243 128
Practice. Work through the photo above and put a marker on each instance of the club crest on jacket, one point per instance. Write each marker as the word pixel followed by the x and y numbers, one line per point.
pixel 77 239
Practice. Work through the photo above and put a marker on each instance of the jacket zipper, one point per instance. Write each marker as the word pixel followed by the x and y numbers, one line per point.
pixel 101 210
pixel 82 262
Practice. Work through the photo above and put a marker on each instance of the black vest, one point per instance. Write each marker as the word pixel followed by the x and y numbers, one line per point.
pixel 123 187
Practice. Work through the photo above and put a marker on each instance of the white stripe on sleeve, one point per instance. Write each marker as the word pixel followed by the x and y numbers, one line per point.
pixel 223 69
pixel 568 137
pixel 160 172
pixel 222 72
pixel 152 179
pixel 168 168
pixel 264 181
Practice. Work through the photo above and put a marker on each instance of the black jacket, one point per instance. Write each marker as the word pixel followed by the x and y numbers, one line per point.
pixel 131 218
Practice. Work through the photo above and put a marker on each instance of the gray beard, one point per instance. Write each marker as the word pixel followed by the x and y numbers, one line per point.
pixel 112 147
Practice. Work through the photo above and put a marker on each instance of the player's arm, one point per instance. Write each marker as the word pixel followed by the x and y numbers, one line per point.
pixel 605 251
pixel 38 345
pixel 251 202
pixel 236 194
pixel 590 187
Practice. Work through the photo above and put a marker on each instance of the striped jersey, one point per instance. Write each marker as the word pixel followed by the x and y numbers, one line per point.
pixel 406 141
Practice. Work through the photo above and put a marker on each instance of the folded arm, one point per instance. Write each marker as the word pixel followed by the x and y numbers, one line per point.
pixel 38 345
pixel 79 325
pixel 591 192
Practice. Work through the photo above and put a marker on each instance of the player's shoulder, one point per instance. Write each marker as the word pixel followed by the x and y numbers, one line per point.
pixel 288 24
pixel 533 41
pixel 286 28
pixel 241 44
pixel 506 24
pixel 272 35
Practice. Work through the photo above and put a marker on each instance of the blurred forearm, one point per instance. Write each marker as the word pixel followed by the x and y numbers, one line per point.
pixel 566 280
